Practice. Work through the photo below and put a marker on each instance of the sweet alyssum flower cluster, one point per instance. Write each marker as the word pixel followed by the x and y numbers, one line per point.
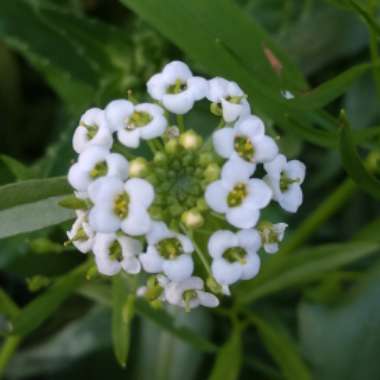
pixel 143 214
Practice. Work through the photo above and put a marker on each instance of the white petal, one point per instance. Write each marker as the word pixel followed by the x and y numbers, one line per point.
pixel 104 190
pixel 80 139
pixel 231 111
pixel 193 282
pixel 198 87
pixel 130 247
pixel 259 193
pixel 217 89
pixel 156 86
pixel 176 70
pixel 223 140
pixel 207 299
pixel 296 170
pixel 271 248
pixel 117 166
pixel 249 239
pixel 91 156
pixel 233 89
pixel 78 178
pixel 292 199
pixel 103 220
pixel 141 192
pixel 276 166
pixel 130 139
pixel 155 128
pixel 216 196
pixel 251 126
pixel 106 266
pixel 224 272
pixel 131 265
pixel 236 170
pixel 220 241
pixel 151 261
pixel 157 232
pixel 137 222
pixel 251 268
pixel 265 149
pixel 243 217
pixel 279 229
pixel 117 112
pixel 180 268
pixel 186 243
pixel 102 138
pixel 179 103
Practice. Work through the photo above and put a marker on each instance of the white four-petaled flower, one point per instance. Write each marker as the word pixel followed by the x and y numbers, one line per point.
pixel 81 234
pixel 176 87
pixel 245 142
pixel 92 130
pixel 234 255
pixel 189 294
pixel 96 162
pixel 134 122
pixel 168 252
pixel 120 205
pixel 285 179
pixel 271 235
pixel 237 195
pixel 114 252
pixel 230 97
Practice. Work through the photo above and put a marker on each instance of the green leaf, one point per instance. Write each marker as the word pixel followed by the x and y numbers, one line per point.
pixel 304 267
pixel 123 309
pixel 32 190
pixel 17 168
pixel 343 341
pixel 282 349
pixel 353 164
pixel 229 358
pixel 328 91
pixel 41 308
pixel 7 306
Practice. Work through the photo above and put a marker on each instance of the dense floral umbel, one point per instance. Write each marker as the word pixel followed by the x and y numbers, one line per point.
pixel 145 214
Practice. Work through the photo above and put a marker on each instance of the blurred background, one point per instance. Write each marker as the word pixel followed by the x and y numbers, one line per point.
pixel 59 57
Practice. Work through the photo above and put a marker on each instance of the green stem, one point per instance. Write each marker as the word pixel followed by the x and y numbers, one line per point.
pixel 327 208
pixel 181 123
pixel 374 50
pixel 7 350
pixel 151 146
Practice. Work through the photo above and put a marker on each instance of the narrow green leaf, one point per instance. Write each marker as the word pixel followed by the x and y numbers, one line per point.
pixel 353 164
pixel 328 91
pixel 41 308
pixel 7 306
pixel 123 310
pixel 304 267
pixel 229 358
pixel 33 217
pixel 32 190
pixel 18 169
pixel 282 349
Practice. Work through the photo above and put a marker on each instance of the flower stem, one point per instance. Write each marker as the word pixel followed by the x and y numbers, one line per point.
pixel 330 205
pixel 7 350
pixel 181 123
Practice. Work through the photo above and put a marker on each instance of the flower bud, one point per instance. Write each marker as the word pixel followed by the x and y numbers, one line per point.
pixel 138 167
pixel 212 172
pixel 192 218
pixel 160 158
pixel 216 109
pixel 171 146
pixel 190 140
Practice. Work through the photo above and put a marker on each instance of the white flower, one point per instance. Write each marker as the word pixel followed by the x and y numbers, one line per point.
pixel 284 178
pixel 271 235
pixel 168 252
pixel 230 97
pixel 154 290
pixel 114 252
pixel 96 162
pixel 134 122
pixel 237 196
pixel 176 87
pixel 81 235
pixel 234 255
pixel 189 294
pixel 92 130
pixel 119 204
pixel 246 142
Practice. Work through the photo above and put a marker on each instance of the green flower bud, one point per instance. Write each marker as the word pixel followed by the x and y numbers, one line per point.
pixel 171 147
pixel 190 140
pixel 212 172
pixel 192 219
pixel 160 158
pixel 138 167
pixel 201 204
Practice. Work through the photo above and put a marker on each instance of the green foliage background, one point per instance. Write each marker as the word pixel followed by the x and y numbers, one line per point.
pixel 314 310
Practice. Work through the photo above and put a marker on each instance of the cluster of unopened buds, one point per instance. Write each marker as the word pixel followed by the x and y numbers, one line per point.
pixel 151 214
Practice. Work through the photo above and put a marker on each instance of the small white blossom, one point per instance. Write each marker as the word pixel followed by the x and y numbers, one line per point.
pixel 237 196
pixel 189 294
pixel 92 131
pixel 176 87
pixel 168 252
pixel 81 234
pixel 120 205
pixel 285 179
pixel 271 235
pixel 154 290
pixel 234 255
pixel 96 162
pixel 114 252
pixel 230 97
pixel 246 142
pixel 134 122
